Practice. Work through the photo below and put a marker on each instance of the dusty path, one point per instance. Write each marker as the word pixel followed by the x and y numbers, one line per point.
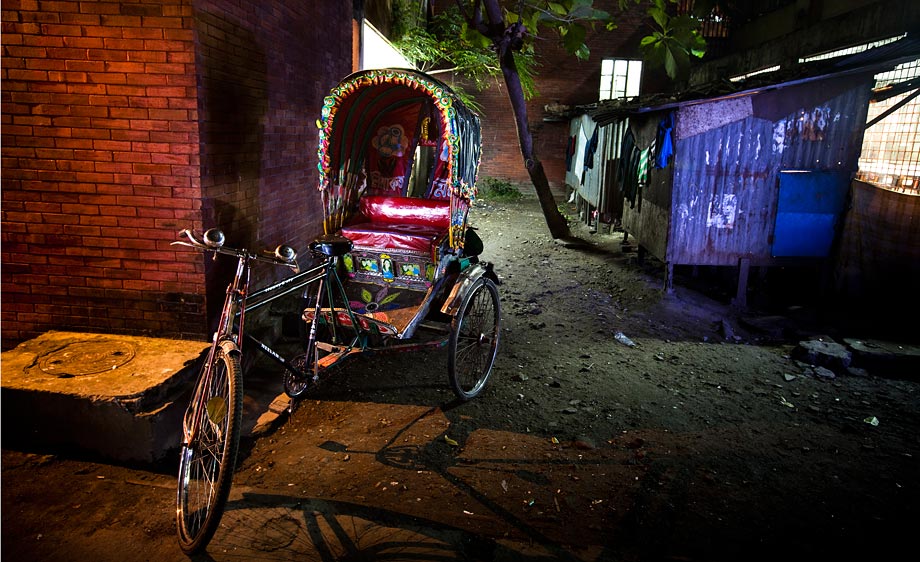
pixel 687 446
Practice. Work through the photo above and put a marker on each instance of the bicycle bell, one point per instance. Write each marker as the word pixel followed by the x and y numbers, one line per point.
pixel 214 238
pixel 285 253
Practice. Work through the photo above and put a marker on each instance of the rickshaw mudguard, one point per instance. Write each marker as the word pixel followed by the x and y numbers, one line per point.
pixel 467 278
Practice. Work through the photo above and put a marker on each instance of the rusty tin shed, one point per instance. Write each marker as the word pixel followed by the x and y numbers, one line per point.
pixel 757 177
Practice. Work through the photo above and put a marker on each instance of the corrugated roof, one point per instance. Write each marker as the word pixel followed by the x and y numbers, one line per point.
pixel 873 60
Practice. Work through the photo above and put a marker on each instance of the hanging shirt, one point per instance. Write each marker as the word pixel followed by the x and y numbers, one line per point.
pixel 663 141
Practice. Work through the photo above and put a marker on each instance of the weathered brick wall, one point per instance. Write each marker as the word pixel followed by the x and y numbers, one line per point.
pixel 99 166
pixel 264 69
pixel 110 147
pixel 563 79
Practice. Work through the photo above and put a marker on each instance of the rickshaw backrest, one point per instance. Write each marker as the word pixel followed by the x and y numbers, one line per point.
pixel 432 213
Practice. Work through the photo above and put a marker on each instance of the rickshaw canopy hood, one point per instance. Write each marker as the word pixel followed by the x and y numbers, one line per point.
pixel 373 121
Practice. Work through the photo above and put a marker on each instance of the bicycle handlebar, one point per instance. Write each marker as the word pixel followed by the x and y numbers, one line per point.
pixel 212 240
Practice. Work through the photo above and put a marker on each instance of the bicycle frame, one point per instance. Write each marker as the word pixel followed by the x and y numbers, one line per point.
pixel 230 327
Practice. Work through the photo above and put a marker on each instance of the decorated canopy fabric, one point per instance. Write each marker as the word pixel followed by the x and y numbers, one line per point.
pixel 373 121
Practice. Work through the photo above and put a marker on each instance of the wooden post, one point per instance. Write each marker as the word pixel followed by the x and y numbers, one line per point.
pixel 744 269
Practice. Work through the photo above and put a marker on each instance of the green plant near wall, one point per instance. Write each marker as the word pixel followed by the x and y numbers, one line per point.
pixel 497 189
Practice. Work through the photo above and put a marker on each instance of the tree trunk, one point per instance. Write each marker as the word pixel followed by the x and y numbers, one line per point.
pixel 558 226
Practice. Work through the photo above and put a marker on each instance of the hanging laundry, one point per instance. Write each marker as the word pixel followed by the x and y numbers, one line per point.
pixel 642 166
pixel 627 168
pixel 663 141
pixel 570 153
pixel 590 149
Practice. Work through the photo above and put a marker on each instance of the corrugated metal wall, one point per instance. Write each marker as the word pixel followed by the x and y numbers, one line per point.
pixel 728 155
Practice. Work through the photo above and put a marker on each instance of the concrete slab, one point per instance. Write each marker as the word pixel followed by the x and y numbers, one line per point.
pixel 885 358
pixel 119 396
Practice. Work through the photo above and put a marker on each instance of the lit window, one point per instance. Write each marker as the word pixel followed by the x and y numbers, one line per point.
pixel 620 78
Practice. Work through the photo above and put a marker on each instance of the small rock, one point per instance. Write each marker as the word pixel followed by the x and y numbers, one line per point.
pixel 824 354
pixel 825 373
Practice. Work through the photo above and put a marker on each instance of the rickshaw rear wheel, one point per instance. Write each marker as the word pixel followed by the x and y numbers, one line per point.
pixel 474 338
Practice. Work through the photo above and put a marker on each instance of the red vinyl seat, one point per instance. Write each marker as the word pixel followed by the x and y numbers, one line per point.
pixel 399 223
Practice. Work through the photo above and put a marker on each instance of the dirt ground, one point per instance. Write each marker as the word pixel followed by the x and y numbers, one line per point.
pixel 705 440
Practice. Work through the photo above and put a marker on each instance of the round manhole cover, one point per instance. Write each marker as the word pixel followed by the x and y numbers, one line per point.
pixel 87 358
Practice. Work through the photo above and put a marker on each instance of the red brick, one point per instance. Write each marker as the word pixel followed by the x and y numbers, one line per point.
pixel 80 19
pixel 132 157
pixel 42 40
pixel 41 17
pixel 67 53
pixel 65 30
pixel 26 52
pixel 45 64
pixel 73 143
pixel 146 80
pixel 126 67
pixel 121 21
pixel 130 113
pixel 149 125
pixel 126 90
pixel 113 167
pixel 130 135
pixel 14 74
pixel 106 77
pixel 153 169
pixel 84 42
pixel 148 56
pixel 86 88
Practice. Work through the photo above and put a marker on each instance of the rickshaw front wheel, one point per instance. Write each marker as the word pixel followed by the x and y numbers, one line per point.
pixel 474 337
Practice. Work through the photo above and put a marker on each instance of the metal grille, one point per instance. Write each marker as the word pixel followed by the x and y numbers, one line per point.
pixel 891 148
pixel 741 77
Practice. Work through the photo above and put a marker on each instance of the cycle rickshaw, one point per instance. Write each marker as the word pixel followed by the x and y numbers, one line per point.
pixel 398 158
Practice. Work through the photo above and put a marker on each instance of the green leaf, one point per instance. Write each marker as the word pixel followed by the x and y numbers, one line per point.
pixel 366 296
pixel 660 17
pixel 558 9
pixel 670 65
pixel 474 37
pixel 573 38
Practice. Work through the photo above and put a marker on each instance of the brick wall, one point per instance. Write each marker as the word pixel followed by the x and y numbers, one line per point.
pixel 263 77
pixel 563 79
pixel 99 166
pixel 109 148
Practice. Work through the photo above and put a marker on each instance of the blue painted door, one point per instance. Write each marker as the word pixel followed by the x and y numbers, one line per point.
pixel 810 206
